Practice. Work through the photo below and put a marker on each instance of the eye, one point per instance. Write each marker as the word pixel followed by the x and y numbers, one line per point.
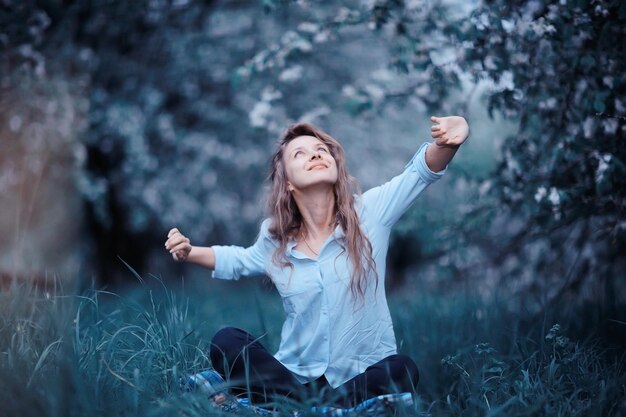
pixel 297 154
pixel 322 149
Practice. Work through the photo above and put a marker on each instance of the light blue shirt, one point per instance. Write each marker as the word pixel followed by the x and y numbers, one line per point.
pixel 327 332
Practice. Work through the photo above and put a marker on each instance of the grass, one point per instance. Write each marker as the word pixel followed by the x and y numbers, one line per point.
pixel 106 354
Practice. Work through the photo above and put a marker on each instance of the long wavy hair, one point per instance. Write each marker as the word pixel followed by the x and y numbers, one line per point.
pixel 286 219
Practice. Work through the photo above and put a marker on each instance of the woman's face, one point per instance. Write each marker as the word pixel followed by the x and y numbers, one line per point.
pixel 308 162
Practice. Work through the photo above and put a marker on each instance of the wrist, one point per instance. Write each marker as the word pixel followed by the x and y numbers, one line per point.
pixel 446 146
pixel 189 255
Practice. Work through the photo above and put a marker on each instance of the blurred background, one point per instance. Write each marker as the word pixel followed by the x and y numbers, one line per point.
pixel 120 120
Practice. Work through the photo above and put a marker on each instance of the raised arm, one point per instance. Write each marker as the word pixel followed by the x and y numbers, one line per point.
pixel 387 202
pixel 227 262
pixel 449 133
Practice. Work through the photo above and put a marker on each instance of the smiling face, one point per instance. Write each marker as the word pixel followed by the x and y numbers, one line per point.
pixel 308 162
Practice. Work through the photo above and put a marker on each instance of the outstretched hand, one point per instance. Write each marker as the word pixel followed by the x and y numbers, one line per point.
pixel 178 245
pixel 449 132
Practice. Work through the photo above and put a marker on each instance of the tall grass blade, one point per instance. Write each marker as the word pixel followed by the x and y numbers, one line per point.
pixel 42 359
pixel 132 270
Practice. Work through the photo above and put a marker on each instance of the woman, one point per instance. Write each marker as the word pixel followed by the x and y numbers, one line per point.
pixel 324 248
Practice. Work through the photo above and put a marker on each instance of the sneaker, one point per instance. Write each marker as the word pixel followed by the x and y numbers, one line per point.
pixel 382 404
pixel 213 385
pixel 208 382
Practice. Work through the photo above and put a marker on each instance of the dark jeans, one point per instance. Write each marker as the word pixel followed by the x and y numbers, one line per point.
pixel 251 369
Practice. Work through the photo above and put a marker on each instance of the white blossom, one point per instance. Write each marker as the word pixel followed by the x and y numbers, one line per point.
pixel 321 37
pixel 548 104
pixel 507 26
pixel 375 92
pixel 484 188
pixel 540 194
pixel 270 94
pixel 348 91
pixel 294 41
pixel 554 197
pixel 291 74
pixel 259 114
pixel 308 27
pixel 609 126
pixel 603 164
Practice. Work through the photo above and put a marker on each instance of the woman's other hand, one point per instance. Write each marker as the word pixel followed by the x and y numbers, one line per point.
pixel 178 245
pixel 449 132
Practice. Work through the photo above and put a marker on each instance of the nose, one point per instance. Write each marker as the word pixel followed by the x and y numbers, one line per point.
pixel 315 155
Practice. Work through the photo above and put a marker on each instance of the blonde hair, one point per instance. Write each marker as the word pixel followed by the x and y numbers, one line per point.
pixel 286 220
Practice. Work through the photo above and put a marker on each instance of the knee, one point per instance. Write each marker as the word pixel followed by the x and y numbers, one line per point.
pixel 226 343
pixel 408 371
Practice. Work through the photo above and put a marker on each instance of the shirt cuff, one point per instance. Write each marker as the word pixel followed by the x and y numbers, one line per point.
pixel 418 164
pixel 223 259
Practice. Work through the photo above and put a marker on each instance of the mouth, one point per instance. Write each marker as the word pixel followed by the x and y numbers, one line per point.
pixel 317 166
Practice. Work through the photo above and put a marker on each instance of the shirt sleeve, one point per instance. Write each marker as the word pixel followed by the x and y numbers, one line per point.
pixel 233 262
pixel 389 201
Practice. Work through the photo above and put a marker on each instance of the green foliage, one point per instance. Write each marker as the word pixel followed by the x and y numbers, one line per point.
pixel 565 65
pixel 562 174
pixel 556 200
pixel 161 135
pixel 181 100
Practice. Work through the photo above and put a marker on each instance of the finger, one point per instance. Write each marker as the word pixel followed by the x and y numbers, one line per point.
pixel 172 244
pixel 172 231
pixel 435 119
pixel 436 127
pixel 169 242
pixel 176 257
pixel 177 249
pixel 184 246
pixel 436 134
pixel 175 240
